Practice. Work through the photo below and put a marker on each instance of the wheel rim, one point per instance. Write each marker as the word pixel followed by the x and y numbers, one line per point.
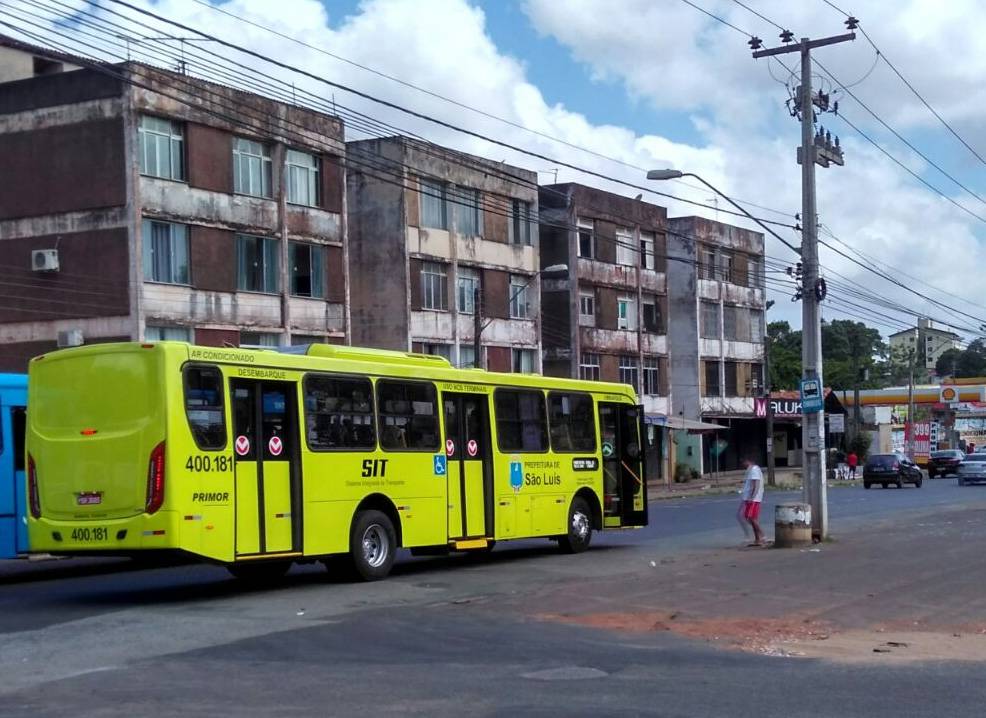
pixel 376 546
pixel 580 525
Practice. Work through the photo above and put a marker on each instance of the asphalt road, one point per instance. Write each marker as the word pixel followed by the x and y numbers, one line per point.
pixel 457 636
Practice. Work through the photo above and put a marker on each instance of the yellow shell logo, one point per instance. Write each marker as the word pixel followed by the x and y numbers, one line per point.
pixel 949 394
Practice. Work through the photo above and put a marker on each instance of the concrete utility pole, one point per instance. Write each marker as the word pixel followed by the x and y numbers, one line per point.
pixel 910 407
pixel 814 148
pixel 477 329
pixel 767 387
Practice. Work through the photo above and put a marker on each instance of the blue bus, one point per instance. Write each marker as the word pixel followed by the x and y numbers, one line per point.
pixel 13 505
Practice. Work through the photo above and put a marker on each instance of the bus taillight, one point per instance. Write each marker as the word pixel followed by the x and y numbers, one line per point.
pixel 155 479
pixel 32 488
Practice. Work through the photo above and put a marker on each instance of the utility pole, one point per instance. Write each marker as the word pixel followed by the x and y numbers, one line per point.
pixel 815 147
pixel 910 406
pixel 477 328
pixel 767 388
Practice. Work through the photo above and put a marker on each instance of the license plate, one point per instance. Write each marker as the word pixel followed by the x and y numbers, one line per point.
pixel 94 534
pixel 90 498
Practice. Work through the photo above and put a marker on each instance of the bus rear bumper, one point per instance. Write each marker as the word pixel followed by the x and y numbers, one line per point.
pixel 135 533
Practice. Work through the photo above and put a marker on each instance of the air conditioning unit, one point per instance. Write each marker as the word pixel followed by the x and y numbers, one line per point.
pixel 44 260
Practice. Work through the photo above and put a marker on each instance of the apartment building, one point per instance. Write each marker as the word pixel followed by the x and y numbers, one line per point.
pixel 608 320
pixel 924 345
pixel 717 338
pixel 432 231
pixel 142 204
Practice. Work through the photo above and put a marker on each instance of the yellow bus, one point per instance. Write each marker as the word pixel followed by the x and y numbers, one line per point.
pixel 260 458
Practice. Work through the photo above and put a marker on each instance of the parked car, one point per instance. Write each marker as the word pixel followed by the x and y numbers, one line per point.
pixel 944 462
pixel 972 470
pixel 886 469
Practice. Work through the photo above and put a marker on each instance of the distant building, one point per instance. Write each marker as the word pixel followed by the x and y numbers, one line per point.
pixel 150 205
pixel 428 226
pixel 926 342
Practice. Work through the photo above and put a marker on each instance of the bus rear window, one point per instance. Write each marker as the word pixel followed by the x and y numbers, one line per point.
pixel 408 416
pixel 520 420
pixel 570 418
pixel 204 406
pixel 339 413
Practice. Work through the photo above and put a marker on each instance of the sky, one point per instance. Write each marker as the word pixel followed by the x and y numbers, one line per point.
pixel 622 86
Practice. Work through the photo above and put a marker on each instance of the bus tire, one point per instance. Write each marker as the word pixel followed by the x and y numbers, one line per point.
pixel 259 573
pixel 579 534
pixel 372 545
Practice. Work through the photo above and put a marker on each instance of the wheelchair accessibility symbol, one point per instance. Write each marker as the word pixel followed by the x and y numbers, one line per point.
pixel 440 465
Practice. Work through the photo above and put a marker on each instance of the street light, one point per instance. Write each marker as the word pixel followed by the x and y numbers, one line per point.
pixel 668 174
pixel 552 271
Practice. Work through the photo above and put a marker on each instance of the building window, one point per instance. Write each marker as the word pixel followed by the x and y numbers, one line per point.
pixel 572 424
pixel 647 243
pixel 467 356
pixel 626 251
pixel 626 313
pixel 732 384
pixel 438 350
pixel 653 321
pixel 629 371
pixel 521 424
pixel 307 270
pixel 587 238
pixel 338 413
pixel 519 307
pixel 754 273
pixel 756 326
pixel 520 222
pixel 652 376
pixel 467 283
pixel 706 263
pixel 257 264
pixel 756 379
pixel 587 309
pixel 724 266
pixel 709 328
pixel 522 361
pixel 433 206
pixel 408 419
pixel 260 339
pixel 167 334
pixel 162 148
pixel 711 378
pixel 434 286
pixel 589 367
pixel 467 210
pixel 165 252
pixel 731 323
pixel 251 167
pixel 303 172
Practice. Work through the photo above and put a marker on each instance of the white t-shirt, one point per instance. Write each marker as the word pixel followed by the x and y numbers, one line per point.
pixel 751 493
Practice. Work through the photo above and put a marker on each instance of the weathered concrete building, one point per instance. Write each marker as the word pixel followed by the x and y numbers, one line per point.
pixel 716 336
pixel 608 320
pixel 143 204
pixel 429 226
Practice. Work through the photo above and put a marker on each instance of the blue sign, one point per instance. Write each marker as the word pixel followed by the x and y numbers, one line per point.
pixel 440 465
pixel 811 396
pixel 516 476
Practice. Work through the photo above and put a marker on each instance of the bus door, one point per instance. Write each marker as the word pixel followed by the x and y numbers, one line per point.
pixel 624 486
pixel 470 469
pixel 266 444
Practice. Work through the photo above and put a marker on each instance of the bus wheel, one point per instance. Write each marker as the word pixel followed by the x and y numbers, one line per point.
pixel 262 572
pixel 372 545
pixel 579 527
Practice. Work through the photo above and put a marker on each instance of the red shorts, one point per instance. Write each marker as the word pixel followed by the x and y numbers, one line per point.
pixel 751 510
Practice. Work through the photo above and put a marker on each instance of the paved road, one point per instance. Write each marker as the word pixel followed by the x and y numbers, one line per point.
pixel 455 636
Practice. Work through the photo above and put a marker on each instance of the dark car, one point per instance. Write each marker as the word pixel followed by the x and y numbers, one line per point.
pixel 944 462
pixel 886 469
pixel 972 470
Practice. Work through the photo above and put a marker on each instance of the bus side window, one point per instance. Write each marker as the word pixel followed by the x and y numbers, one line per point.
pixel 204 406
pixel 521 424
pixel 408 416
pixel 19 416
pixel 571 421
pixel 339 413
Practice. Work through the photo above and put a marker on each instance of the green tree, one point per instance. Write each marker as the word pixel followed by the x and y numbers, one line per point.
pixel 852 350
pixel 948 363
pixel 784 346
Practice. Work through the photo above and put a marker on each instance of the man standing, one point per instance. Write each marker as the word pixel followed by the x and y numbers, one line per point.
pixel 752 498
pixel 853 461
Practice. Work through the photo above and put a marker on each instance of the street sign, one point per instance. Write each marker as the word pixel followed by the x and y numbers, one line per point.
pixel 837 423
pixel 811 396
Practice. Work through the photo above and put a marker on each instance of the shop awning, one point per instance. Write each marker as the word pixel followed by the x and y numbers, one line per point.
pixel 680 423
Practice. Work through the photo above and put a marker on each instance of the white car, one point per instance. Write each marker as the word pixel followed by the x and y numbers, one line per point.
pixel 972 470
